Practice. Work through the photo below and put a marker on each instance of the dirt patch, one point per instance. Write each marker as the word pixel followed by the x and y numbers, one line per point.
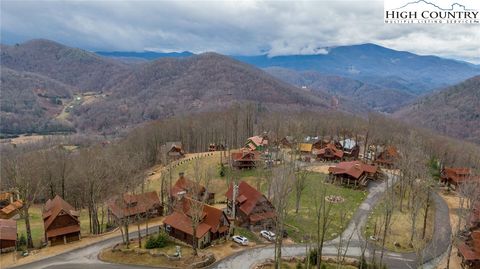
pixel 321 168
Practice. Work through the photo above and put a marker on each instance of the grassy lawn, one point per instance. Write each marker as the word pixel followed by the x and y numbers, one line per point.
pixel 400 229
pixel 299 224
pixel 36 224
pixel 304 222
pixel 251 236
pixel 217 184
pixel 146 259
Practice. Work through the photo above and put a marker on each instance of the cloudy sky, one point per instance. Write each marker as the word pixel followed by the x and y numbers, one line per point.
pixel 229 27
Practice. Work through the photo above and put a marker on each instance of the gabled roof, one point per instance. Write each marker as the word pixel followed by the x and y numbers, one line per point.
pixel 348 143
pixel 257 140
pixel 184 184
pixel 329 147
pixel 247 196
pixel 354 168
pixel 53 207
pixel 457 174
pixel 139 203
pixel 244 155
pixel 181 220
pixel 306 147
pixel 8 229
pixel 12 207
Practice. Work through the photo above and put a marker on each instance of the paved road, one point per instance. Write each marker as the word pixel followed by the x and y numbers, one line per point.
pixel 87 257
pixel 437 247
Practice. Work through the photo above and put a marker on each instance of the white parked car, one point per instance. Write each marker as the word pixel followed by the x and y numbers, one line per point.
pixel 270 236
pixel 240 240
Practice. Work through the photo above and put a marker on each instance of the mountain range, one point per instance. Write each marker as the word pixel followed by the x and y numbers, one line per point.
pixel 72 88
pixel 453 111
pixel 378 78
pixel 49 87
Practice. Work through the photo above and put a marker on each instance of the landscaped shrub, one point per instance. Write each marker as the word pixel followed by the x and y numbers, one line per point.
pixel 158 241
pixel 22 241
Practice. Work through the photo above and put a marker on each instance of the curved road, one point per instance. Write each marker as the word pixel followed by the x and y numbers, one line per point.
pixel 86 257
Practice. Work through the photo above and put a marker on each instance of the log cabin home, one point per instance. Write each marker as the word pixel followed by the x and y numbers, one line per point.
pixel 8 235
pixel 174 150
pixel 252 209
pixel 350 148
pixel 245 159
pixel 257 143
pixel 288 142
pixel 215 147
pixel 134 206
pixel 387 157
pixel 469 246
pixel 61 222
pixel 189 188
pixel 10 205
pixel 328 153
pixel 353 172
pixel 454 176
pixel 213 223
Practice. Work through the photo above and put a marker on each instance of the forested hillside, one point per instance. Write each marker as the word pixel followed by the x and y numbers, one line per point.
pixel 378 98
pixel 121 95
pixel 453 111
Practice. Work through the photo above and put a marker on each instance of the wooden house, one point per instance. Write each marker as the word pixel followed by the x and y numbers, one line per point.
pixel 213 223
pixel 215 147
pixel 10 205
pixel 288 142
pixel 257 143
pixel 454 176
pixel 350 148
pixel 61 221
pixel 252 209
pixel 387 157
pixel 354 172
pixel 469 250
pixel 328 153
pixel 142 205
pixel 189 188
pixel 8 235
pixel 174 150
pixel 245 159
pixel 469 246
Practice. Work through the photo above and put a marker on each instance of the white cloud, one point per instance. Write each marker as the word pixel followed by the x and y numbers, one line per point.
pixel 230 27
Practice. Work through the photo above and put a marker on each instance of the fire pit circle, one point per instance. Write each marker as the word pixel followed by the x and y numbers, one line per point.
pixel 336 199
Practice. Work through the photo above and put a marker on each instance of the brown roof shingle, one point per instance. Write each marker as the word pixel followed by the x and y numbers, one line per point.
pixel 8 229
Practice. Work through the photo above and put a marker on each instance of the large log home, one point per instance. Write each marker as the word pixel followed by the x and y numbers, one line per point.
pixel 354 172
pixel 213 223
pixel 134 206
pixel 252 209
pixel 187 187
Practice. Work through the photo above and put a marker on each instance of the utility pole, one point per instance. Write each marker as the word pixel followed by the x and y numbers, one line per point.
pixel 234 199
